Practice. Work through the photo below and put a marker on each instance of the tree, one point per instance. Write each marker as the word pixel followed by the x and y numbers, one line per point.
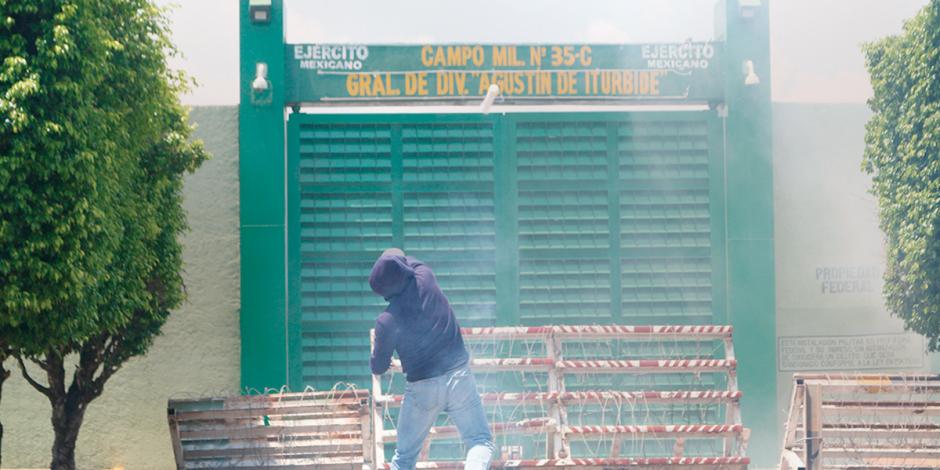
pixel 903 156
pixel 93 148
pixel 4 375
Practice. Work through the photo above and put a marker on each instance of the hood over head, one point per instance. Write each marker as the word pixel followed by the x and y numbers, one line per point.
pixel 390 275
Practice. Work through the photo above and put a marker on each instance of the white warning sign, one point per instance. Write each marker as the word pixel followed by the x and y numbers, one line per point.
pixel 849 353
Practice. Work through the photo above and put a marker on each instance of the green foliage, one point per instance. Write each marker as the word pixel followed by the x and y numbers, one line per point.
pixel 903 156
pixel 55 233
pixel 93 147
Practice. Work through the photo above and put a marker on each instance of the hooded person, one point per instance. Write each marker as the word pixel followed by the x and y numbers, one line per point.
pixel 419 324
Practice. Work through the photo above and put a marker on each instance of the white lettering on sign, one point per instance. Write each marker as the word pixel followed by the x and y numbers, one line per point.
pixel 680 57
pixel 850 353
pixel 326 57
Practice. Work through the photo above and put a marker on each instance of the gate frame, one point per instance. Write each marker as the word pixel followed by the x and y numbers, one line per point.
pixel 746 111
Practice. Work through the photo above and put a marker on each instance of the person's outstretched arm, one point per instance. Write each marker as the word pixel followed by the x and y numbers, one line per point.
pixel 386 337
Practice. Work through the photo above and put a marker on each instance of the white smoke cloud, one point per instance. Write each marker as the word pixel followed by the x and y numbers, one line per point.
pixel 603 31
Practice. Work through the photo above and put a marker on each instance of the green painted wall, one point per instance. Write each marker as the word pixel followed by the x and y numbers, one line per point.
pixel 197 355
pixel 750 220
pixel 261 150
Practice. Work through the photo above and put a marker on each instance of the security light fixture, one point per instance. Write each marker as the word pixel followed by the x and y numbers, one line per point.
pixel 750 78
pixel 748 8
pixel 260 83
pixel 259 11
pixel 491 95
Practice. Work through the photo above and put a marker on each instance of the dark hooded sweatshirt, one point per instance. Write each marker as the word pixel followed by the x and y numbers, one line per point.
pixel 418 323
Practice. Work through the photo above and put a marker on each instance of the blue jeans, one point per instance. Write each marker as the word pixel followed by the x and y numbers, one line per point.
pixel 455 393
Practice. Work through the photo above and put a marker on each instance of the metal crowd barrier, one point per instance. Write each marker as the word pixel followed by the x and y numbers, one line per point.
pixel 603 402
pixel 849 421
pixel 312 430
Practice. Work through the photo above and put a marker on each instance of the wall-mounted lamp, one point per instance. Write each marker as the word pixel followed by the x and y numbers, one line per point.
pixel 749 8
pixel 260 83
pixel 491 95
pixel 750 77
pixel 259 11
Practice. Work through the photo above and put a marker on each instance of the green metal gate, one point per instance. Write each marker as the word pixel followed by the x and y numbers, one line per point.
pixel 562 218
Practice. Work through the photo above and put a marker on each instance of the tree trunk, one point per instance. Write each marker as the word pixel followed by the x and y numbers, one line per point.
pixel 68 407
pixel 69 401
pixel 4 374
pixel 67 416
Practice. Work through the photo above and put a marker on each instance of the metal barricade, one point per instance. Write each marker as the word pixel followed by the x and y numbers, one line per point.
pixel 592 397
pixel 316 430
pixel 863 421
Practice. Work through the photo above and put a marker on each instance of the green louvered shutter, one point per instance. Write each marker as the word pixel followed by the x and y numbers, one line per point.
pixel 564 242
pixel 612 222
pixel 665 225
pixel 369 184
pixel 643 177
pixel 449 219
pixel 345 184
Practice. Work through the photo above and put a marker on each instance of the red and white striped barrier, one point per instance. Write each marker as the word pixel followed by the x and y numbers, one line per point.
pixel 560 407
pixel 703 332
pixel 686 396
pixel 645 365
pixel 651 365
pixel 504 332
pixel 584 464
pixel 680 430
pixel 529 426
pixel 508 364
pixel 541 425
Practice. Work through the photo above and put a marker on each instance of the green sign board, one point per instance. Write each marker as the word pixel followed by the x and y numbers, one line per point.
pixel 346 74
